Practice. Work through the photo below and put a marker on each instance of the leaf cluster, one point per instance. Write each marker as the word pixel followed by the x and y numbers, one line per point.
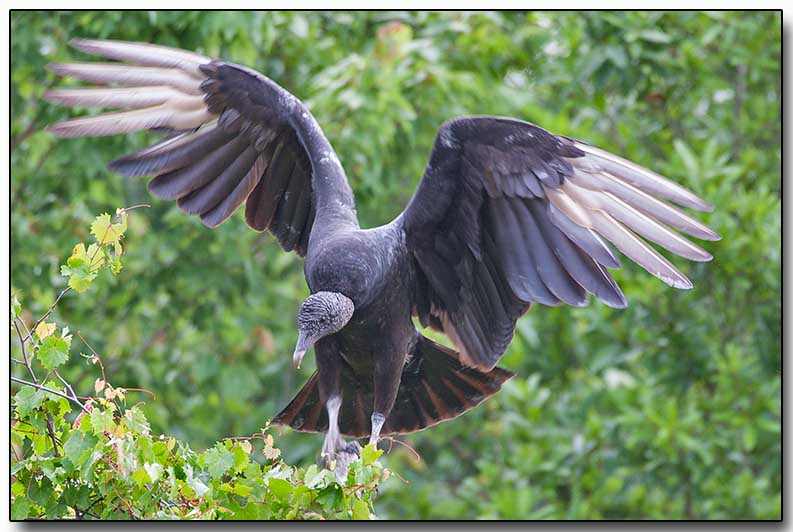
pixel 96 457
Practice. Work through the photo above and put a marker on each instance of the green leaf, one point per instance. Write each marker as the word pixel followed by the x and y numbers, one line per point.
pixel 40 493
pixel 16 307
pixel 197 486
pixel 54 351
pixel 241 458
pixel 749 438
pixel 56 507
pixel 82 266
pixel 78 447
pixel 218 460
pixel 360 510
pixel 315 476
pixel 102 421
pixel 241 489
pixel 27 399
pixel 19 509
pixel 140 476
pixel 136 421
pixel 330 497
pixel 370 454
pixel 655 36
pixel 107 232
pixel 281 488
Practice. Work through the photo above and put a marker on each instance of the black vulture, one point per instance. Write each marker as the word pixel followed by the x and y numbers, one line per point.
pixel 506 214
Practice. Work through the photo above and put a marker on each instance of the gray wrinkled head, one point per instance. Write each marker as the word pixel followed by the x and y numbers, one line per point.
pixel 321 314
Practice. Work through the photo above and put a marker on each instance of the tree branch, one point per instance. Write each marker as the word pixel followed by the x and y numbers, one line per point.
pixel 47 314
pixel 50 390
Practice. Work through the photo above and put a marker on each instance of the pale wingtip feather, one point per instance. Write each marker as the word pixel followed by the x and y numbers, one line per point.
pixel 64 129
pixel 79 43
pixel 621 303
pixel 58 69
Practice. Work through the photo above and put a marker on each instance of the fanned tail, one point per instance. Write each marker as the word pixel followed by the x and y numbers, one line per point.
pixel 435 387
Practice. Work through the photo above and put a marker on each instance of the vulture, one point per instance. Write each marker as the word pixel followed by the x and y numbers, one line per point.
pixel 506 214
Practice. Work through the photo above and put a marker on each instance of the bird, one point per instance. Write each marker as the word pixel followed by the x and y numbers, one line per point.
pixel 506 215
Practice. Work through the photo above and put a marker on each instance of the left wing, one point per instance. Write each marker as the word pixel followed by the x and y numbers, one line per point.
pixel 508 214
pixel 234 137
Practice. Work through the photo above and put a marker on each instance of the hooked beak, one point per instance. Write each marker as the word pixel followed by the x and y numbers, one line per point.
pixel 300 350
pixel 297 358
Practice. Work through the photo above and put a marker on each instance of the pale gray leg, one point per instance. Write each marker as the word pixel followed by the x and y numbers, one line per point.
pixel 377 425
pixel 332 438
pixel 334 447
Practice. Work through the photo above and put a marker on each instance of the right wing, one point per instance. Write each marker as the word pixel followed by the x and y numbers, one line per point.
pixel 234 136
pixel 508 214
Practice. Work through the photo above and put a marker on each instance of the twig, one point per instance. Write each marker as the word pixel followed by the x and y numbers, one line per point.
pixel 50 421
pixel 47 314
pixel 50 390
pixel 24 352
pixel 132 207
pixel 96 355
pixel 17 139
pixel 404 444
pixel 129 506
pixel 143 390
pixel 71 390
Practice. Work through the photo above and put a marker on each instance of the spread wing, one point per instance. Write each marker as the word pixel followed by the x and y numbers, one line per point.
pixel 508 214
pixel 233 136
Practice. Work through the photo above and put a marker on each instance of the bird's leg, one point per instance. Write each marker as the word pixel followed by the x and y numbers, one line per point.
pixel 332 436
pixel 335 448
pixel 377 424
pixel 387 376
pixel 334 443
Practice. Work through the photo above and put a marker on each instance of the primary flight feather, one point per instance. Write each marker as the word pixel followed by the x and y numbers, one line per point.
pixel 506 214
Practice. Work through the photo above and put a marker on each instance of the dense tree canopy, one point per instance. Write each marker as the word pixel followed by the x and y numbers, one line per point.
pixel 668 409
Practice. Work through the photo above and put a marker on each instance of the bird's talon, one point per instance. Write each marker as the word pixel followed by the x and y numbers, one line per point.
pixel 353 447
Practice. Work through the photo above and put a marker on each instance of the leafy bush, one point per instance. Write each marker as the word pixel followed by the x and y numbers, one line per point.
pixel 668 409
pixel 95 457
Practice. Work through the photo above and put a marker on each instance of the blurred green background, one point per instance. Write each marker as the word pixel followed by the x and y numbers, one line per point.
pixel 669 409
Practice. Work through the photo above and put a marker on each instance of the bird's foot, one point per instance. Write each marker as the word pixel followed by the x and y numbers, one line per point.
pixel 342 454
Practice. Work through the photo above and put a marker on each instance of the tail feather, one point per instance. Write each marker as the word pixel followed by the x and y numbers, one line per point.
pixel 435 387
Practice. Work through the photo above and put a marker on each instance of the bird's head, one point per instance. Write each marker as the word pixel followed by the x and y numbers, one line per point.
pixel 320 314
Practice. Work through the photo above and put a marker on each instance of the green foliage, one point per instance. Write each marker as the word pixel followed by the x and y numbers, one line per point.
pixel 96 457
pixel 109 466
pixel 668 409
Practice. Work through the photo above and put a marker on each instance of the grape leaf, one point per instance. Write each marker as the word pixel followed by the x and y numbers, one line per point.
pixel 280 488
pixel 77 448
pixel 27 399
pixel 218 460
pixel 105 231
pixel 54 351
pixel 370 454
pixel 44 329
pixel 360 510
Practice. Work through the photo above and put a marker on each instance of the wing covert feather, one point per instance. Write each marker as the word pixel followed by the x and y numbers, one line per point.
pixel 237 138
pixel 508 214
